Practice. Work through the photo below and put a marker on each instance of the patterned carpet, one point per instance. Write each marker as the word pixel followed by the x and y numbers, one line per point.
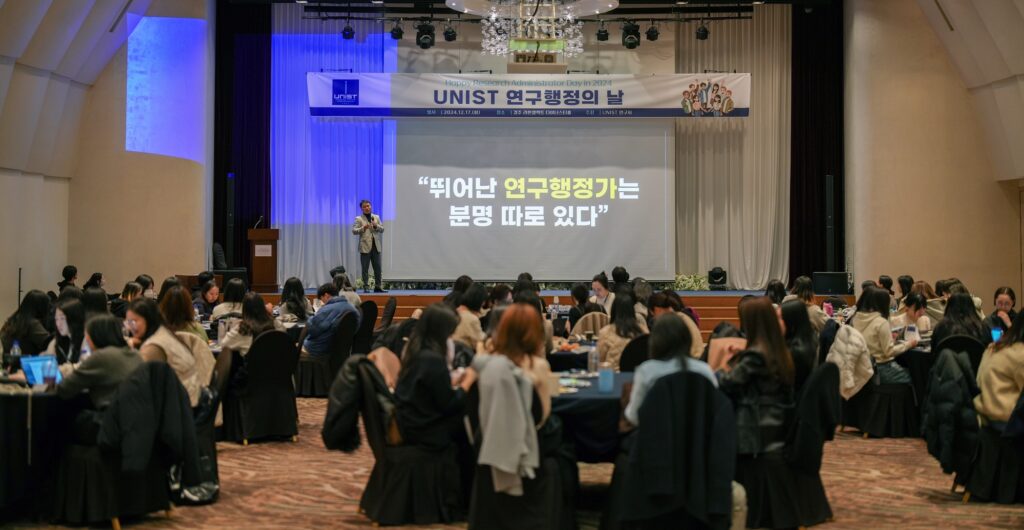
pixel 871 484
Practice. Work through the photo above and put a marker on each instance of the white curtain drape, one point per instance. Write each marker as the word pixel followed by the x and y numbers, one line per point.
pixel 732 174
pixel 321 168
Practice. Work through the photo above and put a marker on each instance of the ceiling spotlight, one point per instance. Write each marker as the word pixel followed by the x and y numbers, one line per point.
pixel 653 33
pixel 396 31
pixel 347 32
pixel 449 33
pixel 425 36
pixel 602 32
pixel 702 32
pixel 630 35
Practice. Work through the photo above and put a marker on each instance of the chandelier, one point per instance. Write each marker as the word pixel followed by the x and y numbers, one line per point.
pixel 509 26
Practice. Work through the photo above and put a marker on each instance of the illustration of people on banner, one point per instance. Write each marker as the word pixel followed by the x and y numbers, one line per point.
pixel 707 99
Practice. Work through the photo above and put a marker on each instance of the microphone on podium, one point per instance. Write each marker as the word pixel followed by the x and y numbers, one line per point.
pixel 258 221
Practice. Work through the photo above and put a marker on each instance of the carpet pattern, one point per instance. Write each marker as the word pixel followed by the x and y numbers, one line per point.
pixel 875 483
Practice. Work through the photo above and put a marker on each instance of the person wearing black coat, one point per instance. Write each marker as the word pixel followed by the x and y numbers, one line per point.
pixel 949 422
pixel 151 412
pixel 683 457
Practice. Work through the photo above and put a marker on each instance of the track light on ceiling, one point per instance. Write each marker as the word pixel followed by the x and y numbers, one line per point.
pixel 449 33
pixel 703 32
pixel 396 30
pixel 425 36
pixel 347 32
pixel 653 33
pixel 602 32
pixel 630 35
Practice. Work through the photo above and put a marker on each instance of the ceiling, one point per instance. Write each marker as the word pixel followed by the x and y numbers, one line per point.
pixel 641 9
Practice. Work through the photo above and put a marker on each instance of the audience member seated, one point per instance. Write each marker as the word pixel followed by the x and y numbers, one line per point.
pixel 201 280
pixel 935 305
pixel 499 296
pixel 1001 376
pixel 961 318
pixel 530 297
pixel 669 348
pixel 25 325
pixel 206 300
pixel 801 339
pixel 624 327
pixel 69 275
pixel 803 290
pixel 759 382
pixel 955 286
pixel 295 307
pixel 147 283
pixel 234 291
pixel 179 314
pixel 69 293
pixel 156 343
pixel 320 327
pixel 914 307
pixel 119 305
pixel 580 295
pixel 1005 300
pixel 620 279
pixel 885 283
pixel 255 320
pixel 872 321
pixel 170 281
pixel 346 289
pixel 776 291
pixel 70 322
pixel 95 280
pixel 469 332
pixel 95 301
pixel 460 286
pixel 602 296
pixel 662 303
pixel 99 374
pixel 906 284
pixel 642 292
pixel 427 407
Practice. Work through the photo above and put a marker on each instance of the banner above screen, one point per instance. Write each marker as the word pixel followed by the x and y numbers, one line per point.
pixel 528 96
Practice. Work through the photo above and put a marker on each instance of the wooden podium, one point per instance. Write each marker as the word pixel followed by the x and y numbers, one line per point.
pixel 263 257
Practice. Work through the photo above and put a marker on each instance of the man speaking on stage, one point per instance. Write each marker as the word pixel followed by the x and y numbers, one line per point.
pixel 369 228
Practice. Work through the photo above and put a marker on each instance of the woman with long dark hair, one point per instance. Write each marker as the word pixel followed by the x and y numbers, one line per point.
pixel 602 296
pixel 170 281
pixel 961 318
pixel 255 320
pixel 295 307
pixel 906 283
pixel 623 327
pixel 427 407
pixel 460 286
pixel 206 299
pixel 70 322
pixel 776 291
pixel 25 325
pixel 913 311
pixel 96 280
pixel 69 274
pixel 803 290
pixel 234 291
pixel 801 339
pixel 157 343
pixel 872 321
pixel 95 301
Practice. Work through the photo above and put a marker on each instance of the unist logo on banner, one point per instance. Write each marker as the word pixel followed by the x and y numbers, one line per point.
pixel 346 91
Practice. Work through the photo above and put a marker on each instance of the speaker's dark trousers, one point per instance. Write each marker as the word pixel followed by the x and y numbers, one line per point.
pixel 373 256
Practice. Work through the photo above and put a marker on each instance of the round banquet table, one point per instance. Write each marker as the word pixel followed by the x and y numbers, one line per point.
pixel 564 361
pixel 33 434
pixel 590 419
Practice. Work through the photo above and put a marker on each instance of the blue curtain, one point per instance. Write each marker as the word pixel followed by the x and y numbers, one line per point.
pixel 322 167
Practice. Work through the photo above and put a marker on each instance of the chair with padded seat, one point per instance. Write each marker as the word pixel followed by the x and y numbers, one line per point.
pixel 315 373
pixel 963 343
pixel 363 338
pixel 387 316
pixel 260 401
pixel 634 354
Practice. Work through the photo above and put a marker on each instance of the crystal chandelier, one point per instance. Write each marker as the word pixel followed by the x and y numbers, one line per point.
pixel 530 25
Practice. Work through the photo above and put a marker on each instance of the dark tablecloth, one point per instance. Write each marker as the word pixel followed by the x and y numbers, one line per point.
pixel 918 364
pixel 33 432
pixel 563 361
pixel 591 420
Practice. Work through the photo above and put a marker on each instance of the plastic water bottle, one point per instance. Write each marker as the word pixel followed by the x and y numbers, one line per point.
pixel 15 356
pixel 605 379
pixel 593 360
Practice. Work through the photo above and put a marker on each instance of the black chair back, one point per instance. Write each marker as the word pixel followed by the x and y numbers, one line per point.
pixel 268 401
pixel 635 353
pixel 826 338
pixel 363 338
pixel 373 413
pixel 964 343
pixel 341 343
pixel 388 315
